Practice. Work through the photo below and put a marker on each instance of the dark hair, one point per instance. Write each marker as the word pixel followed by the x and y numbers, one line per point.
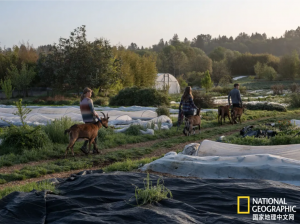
pixel 235 85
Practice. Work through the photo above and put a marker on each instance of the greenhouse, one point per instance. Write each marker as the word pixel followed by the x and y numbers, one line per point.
pixel 165 79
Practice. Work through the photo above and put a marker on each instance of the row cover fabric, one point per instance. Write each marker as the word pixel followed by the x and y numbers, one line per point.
pixel 221 160
pixel 94 197
pixel 42 115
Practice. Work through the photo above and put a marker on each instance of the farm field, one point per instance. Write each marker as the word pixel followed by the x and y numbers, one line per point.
pixel 118 151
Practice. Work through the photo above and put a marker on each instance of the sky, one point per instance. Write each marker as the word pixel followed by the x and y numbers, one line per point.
pixel 142 22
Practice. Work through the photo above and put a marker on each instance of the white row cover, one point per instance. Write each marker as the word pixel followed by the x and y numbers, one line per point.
pixel 42 115
pixel 221 160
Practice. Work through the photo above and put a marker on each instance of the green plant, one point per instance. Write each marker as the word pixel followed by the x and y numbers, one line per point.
pixel 134 130
pixel 44 185
pixel 21 79
pixel 96 91
pixel 206 81
pixel 294 100
pixel 266 106
pixel 139 96
pixel 150 194
pixel 6 86
pixel 163 110
pixel 24 137
pixel 203 100
pixel 55 129
pixel 22 111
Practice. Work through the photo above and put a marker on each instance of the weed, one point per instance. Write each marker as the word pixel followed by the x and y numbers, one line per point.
pixel 150 194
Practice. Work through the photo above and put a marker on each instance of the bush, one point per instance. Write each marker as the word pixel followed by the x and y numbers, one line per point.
pixel 101 102
pixel 55 129
pixel 103 132
pixel 139 96
pixel 294 100
pixel 24 137
pixel 277 89
pixel 134 130
pixel 63 102
pixel 6 87
pixel 295 88
pixel 163 110
pixel 203 100
pixel 266 106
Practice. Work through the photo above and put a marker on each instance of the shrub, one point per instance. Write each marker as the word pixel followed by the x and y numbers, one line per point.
pixel 295 87
pixel 6 86
pixel 203 100
pixel 55 129
pixel 151 193
pixel 139 96
pixel 103 132
pixel 163 110
pixel 266 106
pixel 134 130
pixel 277 89
pixel 24 137
pixel 101 102
pixel 294 100
pixel 264 71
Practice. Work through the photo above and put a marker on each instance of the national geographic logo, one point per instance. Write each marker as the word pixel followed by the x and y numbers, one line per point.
pixel 266 208
pixel 238 204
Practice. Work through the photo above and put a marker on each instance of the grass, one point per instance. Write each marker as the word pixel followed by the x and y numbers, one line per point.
pixel 257 84
pixel 44 185
pixel 150 194
pixel 129 165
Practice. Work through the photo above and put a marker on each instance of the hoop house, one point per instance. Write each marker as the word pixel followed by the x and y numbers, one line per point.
pixel 166 79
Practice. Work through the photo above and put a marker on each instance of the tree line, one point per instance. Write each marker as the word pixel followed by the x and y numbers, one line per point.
pixel 75 62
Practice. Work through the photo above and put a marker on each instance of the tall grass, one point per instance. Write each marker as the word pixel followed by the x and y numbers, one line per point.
pixel 150 194
pixel 27 188
pixel 55 129
pixel 129 164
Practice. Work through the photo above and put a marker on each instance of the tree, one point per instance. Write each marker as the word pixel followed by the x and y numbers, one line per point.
pixel 289 65
pixel 21 79
pixel 218 54
pixel 6 87
pixel 206 81
pixel 75 63
pixel 183 84
pixel 219 71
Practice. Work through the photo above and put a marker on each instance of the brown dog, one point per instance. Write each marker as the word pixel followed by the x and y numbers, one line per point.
pixel 223 111
pixel 191 121
pixel 236 113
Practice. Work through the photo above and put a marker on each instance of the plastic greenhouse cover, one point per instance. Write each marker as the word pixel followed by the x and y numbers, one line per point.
pixel 95 197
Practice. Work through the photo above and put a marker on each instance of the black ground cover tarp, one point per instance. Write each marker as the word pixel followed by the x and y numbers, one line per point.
pixel 103 198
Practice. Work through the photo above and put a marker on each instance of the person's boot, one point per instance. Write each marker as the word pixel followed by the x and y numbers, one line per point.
pixel 84 147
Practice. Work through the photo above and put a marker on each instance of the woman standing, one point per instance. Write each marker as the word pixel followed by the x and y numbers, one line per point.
pixel 187 104
pixel 88 114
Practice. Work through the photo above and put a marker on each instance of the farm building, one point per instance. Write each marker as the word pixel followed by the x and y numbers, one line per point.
pixel 166 79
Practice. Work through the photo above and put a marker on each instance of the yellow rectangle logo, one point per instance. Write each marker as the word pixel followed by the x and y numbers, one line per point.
pixel 238 204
